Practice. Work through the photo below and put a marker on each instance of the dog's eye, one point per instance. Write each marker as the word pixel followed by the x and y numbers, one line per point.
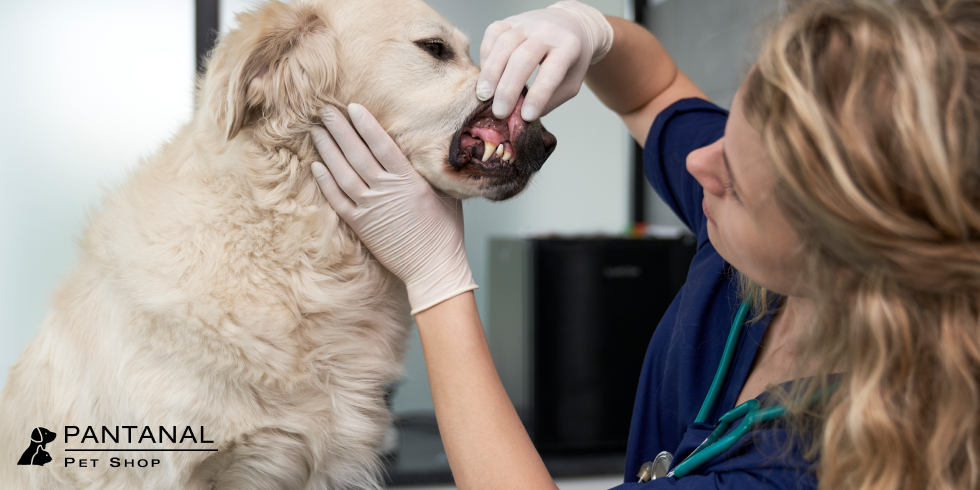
pixel 435 47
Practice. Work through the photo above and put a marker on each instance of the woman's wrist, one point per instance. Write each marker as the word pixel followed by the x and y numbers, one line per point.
pixel 597 28
pixel 451 314
pixel 445 280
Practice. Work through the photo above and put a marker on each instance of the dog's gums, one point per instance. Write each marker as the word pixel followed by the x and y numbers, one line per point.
pixel 485 137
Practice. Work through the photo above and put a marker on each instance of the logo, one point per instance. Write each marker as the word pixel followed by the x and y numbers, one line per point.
pixel 35 454
pixel 149 439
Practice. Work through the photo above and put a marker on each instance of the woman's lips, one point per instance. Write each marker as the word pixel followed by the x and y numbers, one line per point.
pixel 704 207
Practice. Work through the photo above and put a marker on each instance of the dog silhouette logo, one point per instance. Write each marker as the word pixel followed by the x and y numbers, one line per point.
pixel 36 455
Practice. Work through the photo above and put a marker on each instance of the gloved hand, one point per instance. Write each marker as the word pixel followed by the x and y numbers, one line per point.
pixel 413 231
pixel 569 36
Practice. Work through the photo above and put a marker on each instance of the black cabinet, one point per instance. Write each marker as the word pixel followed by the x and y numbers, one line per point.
pixel 570 321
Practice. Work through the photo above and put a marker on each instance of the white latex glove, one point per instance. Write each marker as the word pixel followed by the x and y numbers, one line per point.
pixel 413 231
pixel 565 39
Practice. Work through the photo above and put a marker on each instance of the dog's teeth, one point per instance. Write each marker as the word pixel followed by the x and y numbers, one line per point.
pixel 507 155
pixel 488 151
pixel 500 150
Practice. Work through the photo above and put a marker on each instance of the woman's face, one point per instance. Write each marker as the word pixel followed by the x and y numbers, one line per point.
pixel 745 224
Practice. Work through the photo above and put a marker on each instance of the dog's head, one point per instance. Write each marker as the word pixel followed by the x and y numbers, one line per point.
pixel 270 78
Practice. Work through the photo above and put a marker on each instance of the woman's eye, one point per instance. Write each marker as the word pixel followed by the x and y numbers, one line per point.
pixel 730 187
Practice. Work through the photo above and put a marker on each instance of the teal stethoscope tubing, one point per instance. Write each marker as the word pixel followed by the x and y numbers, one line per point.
pixel 712 446
pixel 726 363
pixel 715 444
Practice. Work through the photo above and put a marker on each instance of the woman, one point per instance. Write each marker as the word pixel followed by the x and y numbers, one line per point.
pixel 844 189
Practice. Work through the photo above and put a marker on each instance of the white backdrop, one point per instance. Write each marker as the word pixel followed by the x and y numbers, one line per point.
pixel 88 87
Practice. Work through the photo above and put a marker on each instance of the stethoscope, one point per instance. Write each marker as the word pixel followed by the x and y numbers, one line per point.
pixel 718 442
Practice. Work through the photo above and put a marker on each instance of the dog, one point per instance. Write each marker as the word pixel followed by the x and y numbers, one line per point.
pixel 217 292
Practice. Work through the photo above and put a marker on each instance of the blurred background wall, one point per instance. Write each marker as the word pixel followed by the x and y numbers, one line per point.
pixel 90 87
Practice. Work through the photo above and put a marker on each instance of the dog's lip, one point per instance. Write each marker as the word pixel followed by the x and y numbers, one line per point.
pixel 485 106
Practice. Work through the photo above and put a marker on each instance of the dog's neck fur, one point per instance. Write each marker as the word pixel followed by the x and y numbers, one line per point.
pixel 251 218
pixel 273 159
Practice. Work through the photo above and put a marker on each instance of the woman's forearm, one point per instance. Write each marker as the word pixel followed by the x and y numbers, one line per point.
pixel 636 69
pixel 638 78
pixel 485 441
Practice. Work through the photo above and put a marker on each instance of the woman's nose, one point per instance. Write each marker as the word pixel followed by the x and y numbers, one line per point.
pixel 708 168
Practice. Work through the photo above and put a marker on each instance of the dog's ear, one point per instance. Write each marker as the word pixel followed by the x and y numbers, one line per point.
pixel 278 67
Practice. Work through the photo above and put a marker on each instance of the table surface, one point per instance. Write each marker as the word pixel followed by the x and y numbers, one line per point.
pixel 420 461
pixel 581 483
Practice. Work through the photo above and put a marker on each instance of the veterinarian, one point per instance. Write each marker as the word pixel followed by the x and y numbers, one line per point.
pixel 839 200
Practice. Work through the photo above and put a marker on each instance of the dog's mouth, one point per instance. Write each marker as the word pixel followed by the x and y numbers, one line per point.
pixel 500 152
pixel 486 140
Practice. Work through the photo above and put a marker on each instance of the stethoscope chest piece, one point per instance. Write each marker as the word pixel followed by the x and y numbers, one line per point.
pixel 651 470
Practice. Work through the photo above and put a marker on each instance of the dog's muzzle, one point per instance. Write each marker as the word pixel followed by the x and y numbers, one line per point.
pixel 503 153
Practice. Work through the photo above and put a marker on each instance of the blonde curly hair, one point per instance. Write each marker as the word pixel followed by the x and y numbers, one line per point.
pixel 870 113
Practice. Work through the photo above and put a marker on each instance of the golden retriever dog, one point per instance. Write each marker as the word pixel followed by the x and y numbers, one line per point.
pixel 224 329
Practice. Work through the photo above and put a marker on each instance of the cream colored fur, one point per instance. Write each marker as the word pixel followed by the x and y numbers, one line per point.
pixel 217 288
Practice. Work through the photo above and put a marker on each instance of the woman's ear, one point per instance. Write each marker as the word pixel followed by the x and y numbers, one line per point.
pixel 278 67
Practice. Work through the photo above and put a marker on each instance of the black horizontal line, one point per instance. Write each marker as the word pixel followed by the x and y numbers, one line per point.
pixel 140 450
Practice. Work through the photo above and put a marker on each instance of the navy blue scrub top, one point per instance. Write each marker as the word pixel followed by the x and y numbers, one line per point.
pixel 687 345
